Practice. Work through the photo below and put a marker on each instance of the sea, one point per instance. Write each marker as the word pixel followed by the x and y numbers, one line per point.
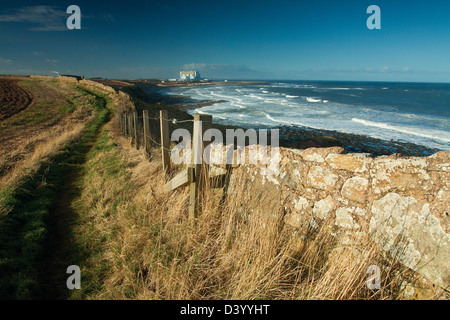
pixel 417 113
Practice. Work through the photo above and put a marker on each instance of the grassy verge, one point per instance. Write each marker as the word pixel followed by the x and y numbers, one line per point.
pixel 104 187
pixel 26 217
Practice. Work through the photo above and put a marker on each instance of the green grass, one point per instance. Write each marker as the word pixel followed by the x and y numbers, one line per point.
pixel 104 165
pixel 26 223
pixel 37 114
pixel 40 111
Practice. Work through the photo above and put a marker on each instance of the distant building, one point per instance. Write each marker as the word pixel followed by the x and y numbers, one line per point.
pixel 189 76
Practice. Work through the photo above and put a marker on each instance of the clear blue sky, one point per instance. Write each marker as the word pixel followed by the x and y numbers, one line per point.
pixel 290 40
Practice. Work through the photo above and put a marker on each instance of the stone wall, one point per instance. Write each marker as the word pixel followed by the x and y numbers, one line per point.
pixel 401 203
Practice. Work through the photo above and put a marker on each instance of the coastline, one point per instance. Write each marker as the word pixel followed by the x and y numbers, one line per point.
pixel 293 137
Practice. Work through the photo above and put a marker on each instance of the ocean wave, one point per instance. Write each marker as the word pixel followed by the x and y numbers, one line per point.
pixel 255 96
pixel 249 105
pixel 292 85
pixel 341 88
pixel 313 100
pixel 410 131
pixel 413 116
pixel 269 117
pixel 223 96
pixel 288 122
pixel 240 106
pixel 274 100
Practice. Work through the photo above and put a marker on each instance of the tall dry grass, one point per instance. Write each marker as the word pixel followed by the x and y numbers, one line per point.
pixel 33 143
pixel 231 251
pixel 43 147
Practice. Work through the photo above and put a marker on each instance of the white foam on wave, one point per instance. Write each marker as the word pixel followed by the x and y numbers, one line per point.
pixel 409 131
pixel 274 100
pixel 313 100
pixel 269 117
pixel 288 96
pixel 240 106
pixel 223 96
pixel 255 96
pixel 289 122
pixel 422 117
pixel 306 86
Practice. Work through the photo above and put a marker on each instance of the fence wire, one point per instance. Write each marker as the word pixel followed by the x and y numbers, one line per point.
pixel 124 124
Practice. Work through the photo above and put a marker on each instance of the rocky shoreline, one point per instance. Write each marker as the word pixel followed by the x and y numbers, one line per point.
pixel 293 136
pixel 302 138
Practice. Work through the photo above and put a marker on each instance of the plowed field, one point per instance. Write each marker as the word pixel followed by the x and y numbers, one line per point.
pixel 13 98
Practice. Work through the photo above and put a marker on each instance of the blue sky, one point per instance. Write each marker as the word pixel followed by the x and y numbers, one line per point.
pixel 289 40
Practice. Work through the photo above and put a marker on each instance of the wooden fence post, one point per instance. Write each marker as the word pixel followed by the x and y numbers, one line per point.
pixel 145 119
pixel 136 122
pixel 130 125
pixel 165 139
pixel 201 170
pixel 125 129
pixel 124 124
pixel 127 124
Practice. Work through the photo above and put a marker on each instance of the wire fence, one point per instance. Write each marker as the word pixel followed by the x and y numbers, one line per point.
pixel 154 132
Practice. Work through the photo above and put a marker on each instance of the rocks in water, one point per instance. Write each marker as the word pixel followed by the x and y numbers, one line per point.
pixel 303 138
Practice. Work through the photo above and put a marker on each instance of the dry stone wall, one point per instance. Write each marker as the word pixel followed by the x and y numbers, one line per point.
pixel 401 203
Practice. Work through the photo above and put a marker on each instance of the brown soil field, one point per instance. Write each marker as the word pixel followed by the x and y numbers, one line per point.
pixel 13 98
pixel 55 110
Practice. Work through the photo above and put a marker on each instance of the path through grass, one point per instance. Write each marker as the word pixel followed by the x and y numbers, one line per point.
pixel 36 224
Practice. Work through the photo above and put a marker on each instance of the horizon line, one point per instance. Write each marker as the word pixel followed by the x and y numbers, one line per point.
pixel 239 79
